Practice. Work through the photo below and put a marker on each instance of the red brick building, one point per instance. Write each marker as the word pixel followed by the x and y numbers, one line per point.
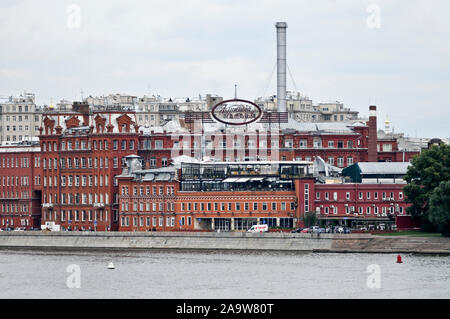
pixel 339 149
pixel 388 151
pixel 82 152
pixel 72 181
pixel 235 196
pixel 358 204
pixel 339 144
pixel 20 186
pixel 209 196
pixel 147 198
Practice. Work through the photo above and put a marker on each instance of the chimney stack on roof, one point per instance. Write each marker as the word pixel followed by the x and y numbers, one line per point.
pixel 372 139
pixel 281 65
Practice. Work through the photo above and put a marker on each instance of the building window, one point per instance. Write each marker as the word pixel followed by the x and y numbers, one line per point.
pixel 349 160
pixel 303 143
pixel 387 147
pixel 288 143
pixel 158 144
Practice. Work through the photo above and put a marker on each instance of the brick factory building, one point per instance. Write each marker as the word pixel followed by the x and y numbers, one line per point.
pixel 211 196
pixel 82 151
pixel 146 197
pixel 340 144
pixel 235 196
pixel 72 181
pixel 20 186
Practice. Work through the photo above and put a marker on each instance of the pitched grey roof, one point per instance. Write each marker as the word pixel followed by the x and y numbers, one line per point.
pixel 372 168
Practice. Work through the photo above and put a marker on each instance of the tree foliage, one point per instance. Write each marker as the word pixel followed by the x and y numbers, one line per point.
pixel 425 173
pixel 310 219
pixel 440 208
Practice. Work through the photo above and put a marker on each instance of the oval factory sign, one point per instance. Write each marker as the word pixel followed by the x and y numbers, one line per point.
pixel 236 112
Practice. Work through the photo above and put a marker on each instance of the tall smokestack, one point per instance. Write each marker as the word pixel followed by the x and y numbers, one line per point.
pixel 372 140
pixel 281 65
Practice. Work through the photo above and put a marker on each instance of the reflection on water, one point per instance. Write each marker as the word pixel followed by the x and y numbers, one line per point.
pixel 218 274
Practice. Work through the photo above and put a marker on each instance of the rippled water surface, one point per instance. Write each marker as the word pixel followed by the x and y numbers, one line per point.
pixel 218 274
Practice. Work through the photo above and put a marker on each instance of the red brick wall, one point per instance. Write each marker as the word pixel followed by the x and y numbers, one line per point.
pixel 101 213
pixel 354 190
pixel 20 202
pixel 144 216
pixel 372 138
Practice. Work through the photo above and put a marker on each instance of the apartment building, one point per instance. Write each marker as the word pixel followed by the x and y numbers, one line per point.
pixel 18 119
pixel 302 109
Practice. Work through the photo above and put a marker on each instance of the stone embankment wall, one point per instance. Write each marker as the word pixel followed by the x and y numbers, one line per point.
pixel 225 241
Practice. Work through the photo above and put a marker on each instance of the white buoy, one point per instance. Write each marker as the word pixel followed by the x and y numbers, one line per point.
pixel 111 265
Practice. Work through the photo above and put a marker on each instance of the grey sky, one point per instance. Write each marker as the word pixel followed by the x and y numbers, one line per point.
pixel 186 48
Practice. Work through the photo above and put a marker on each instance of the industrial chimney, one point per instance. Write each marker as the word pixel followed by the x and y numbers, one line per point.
pixel 281 65
pixel 372 139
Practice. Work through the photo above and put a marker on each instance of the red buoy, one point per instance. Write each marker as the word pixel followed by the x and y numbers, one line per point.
pixel 399 259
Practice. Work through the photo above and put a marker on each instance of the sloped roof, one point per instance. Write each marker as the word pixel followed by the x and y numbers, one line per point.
pixel 372 168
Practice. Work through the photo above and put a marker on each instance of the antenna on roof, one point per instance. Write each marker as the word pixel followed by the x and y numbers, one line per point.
pixel 235 91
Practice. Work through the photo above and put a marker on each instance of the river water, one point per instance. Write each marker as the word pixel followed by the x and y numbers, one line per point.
pixel 180 274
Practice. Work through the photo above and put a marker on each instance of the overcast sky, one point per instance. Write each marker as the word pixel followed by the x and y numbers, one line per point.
pixel 395 54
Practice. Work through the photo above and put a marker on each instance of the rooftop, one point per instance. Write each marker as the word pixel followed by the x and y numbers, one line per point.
pixel 372 168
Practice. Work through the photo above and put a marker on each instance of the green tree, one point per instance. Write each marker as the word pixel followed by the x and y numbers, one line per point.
pixel 310 219
pixel 440 208
pixel 425 173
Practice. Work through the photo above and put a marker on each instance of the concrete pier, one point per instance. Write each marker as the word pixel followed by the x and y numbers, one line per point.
pixel 364 243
